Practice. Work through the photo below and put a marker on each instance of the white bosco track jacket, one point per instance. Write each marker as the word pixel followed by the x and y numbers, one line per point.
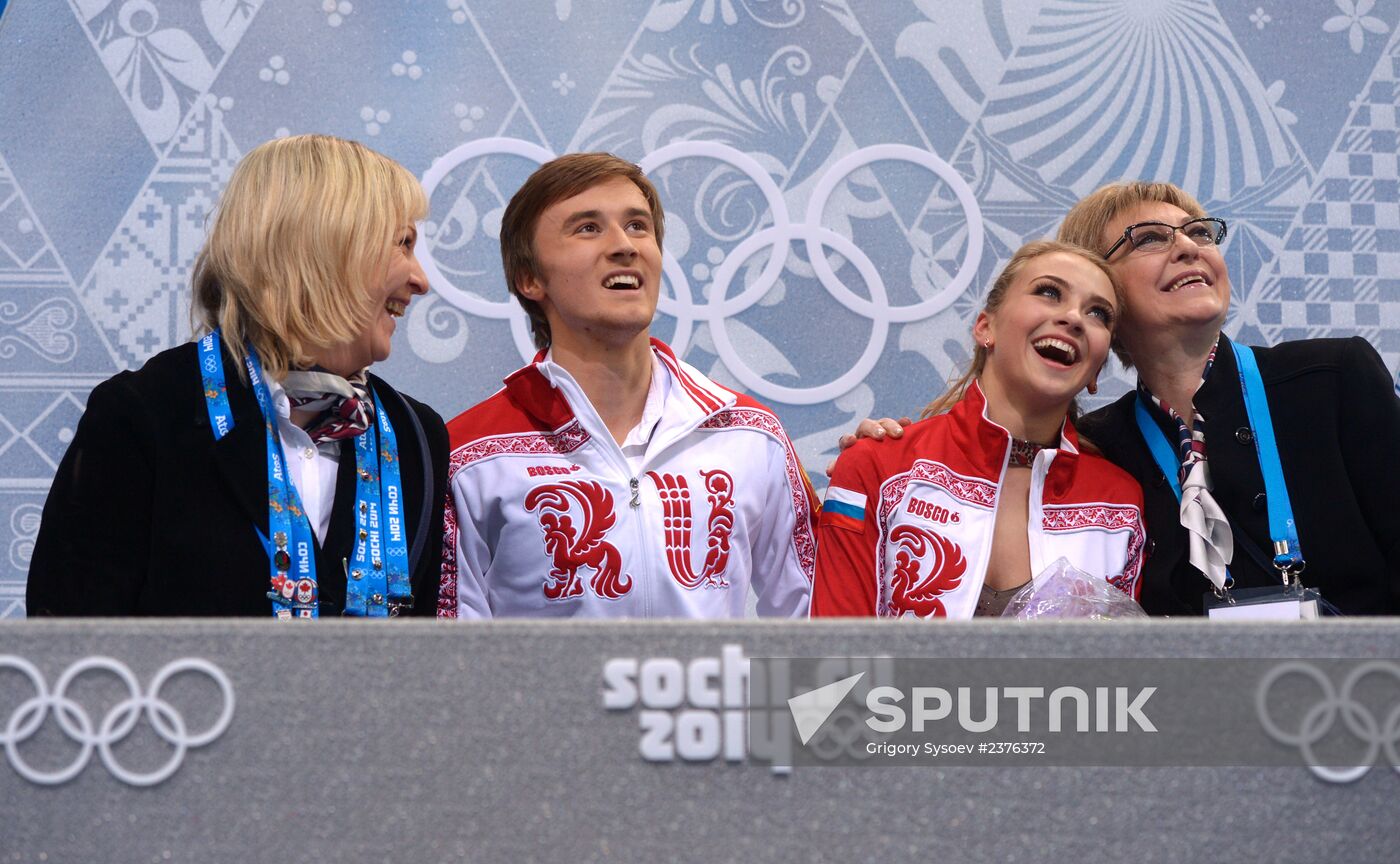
pixel 548 519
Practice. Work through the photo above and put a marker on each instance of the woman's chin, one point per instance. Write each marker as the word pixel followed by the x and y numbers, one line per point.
pixel 1045 398
pixel 379 351
pixel 1059 387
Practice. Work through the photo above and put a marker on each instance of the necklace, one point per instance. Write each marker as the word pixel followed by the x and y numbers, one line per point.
pixel 1023 452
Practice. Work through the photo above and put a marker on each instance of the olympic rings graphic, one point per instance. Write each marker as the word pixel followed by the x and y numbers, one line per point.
pixel 681 302
pixel 116 725
pixel 432 178
pixel 1318 720
pixel 844 733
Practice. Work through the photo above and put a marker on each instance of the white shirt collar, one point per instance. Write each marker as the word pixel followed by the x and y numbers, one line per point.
pixel 658 396
pixel 658 391
pixel 280 402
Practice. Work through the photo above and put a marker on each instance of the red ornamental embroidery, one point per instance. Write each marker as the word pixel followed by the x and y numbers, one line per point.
pixel 565 440
pixel 571 549
pixel 913 591
pixel 1099 516
pixel 675 509
pixel 803 538
pixel 447 581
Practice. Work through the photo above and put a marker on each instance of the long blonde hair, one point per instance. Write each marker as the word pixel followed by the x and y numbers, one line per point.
pixel 1023 256
pixel 303 230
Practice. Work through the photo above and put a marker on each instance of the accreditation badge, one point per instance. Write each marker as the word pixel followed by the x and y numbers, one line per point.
pixel 1270 603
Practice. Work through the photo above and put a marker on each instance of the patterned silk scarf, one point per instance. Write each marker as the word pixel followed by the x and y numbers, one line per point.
pixel 342 405
pixel 1212 544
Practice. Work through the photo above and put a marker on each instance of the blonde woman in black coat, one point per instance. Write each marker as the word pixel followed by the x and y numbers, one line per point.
pixel 261 470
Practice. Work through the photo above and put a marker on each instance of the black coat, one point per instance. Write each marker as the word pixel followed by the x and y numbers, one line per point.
pixel 1337 422
pixel 148 515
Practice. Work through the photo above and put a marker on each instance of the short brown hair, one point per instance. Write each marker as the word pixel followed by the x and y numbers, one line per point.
pixel 551 183
pixel 1086 220
pixel 304 227
pixel 997 294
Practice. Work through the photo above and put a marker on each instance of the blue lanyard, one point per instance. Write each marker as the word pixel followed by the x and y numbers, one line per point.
pixel 378 585
pixel 377 582
pixel 1288 555
pixel 1161 448
pixel 1288 552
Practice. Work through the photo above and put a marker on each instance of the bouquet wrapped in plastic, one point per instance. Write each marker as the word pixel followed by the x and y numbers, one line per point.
pixel 1064 591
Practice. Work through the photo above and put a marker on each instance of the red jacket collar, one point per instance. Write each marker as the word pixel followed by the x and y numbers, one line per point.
pixel 529 389
pixel 984 442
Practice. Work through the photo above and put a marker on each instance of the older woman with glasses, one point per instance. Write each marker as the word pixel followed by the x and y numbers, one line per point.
pixel 1261 467
pixel 1264 470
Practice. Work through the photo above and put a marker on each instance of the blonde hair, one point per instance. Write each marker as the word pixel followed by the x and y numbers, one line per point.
pixel 302 232
pixel 1086 220
pixel 1023 256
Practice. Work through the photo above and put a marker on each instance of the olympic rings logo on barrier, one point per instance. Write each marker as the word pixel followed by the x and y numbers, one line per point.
pixel 1318 720
pixel 843 733
pixel 75 722
pixel 682 303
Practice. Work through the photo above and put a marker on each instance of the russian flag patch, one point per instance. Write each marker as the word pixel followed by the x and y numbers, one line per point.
pixel 843 508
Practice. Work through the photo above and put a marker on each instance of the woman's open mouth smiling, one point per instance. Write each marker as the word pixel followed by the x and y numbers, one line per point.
pixel 1056 351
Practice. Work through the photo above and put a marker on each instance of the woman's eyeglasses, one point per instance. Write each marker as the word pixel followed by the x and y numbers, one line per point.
pixel 1148 237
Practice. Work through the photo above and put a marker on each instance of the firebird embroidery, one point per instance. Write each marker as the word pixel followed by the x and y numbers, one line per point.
pixel 571 549
pixel 675 511
pixel 915 593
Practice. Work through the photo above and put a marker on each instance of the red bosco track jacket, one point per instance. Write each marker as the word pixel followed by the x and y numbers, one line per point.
pixel 906 529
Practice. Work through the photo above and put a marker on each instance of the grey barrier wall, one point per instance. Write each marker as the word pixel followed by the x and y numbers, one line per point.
pixel 213 741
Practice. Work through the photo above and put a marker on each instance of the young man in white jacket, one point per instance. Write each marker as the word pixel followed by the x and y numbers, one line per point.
pixel 608 478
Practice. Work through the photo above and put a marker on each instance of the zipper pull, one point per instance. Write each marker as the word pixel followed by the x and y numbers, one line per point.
pixel 636 492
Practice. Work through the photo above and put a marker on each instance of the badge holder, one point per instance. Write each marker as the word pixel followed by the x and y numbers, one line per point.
pixel 1270 603
pixel 1289 601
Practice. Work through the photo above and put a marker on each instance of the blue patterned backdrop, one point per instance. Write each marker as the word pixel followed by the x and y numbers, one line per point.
pixel 842 176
